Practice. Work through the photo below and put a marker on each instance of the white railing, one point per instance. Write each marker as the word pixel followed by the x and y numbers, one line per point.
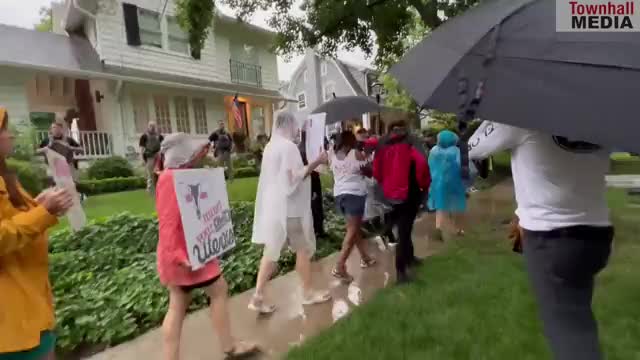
pixel 95 144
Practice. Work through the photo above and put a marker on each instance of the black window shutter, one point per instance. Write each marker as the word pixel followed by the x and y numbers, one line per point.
pixel 131 24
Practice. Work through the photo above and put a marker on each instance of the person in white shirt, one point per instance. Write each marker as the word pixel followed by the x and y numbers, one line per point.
pixel 350 192
pixel 283 212
pixel 560 193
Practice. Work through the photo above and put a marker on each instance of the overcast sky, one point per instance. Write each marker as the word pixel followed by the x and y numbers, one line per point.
pixel 24 13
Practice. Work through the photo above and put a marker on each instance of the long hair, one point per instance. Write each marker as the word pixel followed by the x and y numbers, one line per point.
pixel 9 177
pixel 346 141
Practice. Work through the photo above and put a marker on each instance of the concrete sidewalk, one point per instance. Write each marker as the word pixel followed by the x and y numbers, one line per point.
pixel 293 323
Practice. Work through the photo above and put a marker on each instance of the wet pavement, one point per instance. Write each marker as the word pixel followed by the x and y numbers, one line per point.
pixel 292 323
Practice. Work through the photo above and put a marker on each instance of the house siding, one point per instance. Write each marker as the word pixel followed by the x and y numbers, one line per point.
pixel 314 86
pixel 13 95
pixel 214 62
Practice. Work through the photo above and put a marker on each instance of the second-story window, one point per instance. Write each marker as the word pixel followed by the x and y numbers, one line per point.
pixel 328 90
pixel 150 29
pixel 178 38
pixel 323 68
pixel 302 101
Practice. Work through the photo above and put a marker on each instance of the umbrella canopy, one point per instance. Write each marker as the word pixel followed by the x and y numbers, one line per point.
pixel 578 85
pixel 346 108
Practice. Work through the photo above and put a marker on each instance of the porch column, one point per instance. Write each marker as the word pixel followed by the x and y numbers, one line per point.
pixel 110 109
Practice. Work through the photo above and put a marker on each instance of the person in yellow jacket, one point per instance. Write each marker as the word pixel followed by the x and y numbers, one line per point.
pixel 26 303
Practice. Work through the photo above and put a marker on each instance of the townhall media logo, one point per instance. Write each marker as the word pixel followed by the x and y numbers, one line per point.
pixel 597 16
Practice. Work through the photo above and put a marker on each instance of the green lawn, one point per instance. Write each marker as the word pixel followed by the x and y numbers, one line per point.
pixel 472 301
pixel 139 202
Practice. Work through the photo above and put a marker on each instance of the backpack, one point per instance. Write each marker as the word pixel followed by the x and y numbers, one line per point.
pixel 152 146
pixel 224 142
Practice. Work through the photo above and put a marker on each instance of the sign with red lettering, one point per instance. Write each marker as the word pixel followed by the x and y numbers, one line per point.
pixel 205 213
pixel 597 15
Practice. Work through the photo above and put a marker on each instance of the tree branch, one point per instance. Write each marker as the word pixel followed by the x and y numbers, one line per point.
pixel 428 12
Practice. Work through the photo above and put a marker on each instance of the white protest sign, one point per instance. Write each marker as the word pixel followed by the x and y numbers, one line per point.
pixel 205 213
pixel 63 177
pixel 315 128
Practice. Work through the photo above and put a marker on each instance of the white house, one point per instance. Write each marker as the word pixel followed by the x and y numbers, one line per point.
pixel 317 80
pixel 120 64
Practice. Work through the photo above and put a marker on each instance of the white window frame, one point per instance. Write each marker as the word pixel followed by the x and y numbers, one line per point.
pixel 323 68
pixel 327 96
pixel 200 116
pixel 141 12
pixel 304 94
pixel 183 120
pixel 169 36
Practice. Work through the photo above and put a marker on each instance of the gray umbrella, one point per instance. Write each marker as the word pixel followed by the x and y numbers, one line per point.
pixel 347 108
pixel 579 85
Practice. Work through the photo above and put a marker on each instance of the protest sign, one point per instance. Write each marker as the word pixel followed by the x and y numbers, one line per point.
pixel 205 213
pixel 63 177
pixel 315 128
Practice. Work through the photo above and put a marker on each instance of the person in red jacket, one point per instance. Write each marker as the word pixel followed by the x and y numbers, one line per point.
pixel 400 168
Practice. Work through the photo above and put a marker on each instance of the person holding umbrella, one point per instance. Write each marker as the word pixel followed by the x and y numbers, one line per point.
pixel 567 234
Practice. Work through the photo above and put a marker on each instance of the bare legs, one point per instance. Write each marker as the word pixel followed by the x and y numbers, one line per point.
pixel 50 356
pixel 172 325
pixel 449 221
pixel 303 268
pixel 353 237
pixel 179 303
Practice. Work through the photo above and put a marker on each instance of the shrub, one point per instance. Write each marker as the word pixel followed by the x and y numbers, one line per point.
pixel 31 176
pixel 104 186
pixel 245 172
pixel 105 283
pixel 24 145
pixel 112 167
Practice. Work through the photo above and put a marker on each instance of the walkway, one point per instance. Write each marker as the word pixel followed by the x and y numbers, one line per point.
pixel 293 323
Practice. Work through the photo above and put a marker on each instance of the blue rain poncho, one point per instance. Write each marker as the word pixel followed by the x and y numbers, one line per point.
pixel 447 191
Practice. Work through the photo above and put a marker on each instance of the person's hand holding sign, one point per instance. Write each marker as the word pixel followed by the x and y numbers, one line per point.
pixel 56 201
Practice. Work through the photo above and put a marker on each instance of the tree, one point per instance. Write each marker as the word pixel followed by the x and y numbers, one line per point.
pixel 46 19
pixel 329 25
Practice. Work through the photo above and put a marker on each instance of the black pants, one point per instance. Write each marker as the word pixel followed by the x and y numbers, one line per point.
pixel 403 216
pixel 317 209
pixel 562 266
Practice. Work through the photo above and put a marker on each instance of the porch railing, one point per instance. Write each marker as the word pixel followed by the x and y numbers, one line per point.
pixel 245 74
pixel 95 144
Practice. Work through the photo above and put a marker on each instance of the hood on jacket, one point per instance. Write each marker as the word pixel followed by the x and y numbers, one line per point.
pixel 447 139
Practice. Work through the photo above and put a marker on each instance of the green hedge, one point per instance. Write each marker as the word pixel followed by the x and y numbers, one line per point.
pixel 245 172
pixel 113 167
pixel 95 187
pixel 105 281
pixel 32 177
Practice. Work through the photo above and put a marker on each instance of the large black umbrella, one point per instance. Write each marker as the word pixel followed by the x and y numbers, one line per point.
pixel 580 85
pixel 347 108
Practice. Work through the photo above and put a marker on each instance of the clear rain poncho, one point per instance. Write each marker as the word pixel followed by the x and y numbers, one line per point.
pixel 283 189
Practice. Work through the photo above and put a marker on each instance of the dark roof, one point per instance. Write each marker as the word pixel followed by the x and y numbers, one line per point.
pixel 75 55
pixel 24 47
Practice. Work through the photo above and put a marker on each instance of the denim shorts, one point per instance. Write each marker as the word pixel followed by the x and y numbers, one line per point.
pixel 351 205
